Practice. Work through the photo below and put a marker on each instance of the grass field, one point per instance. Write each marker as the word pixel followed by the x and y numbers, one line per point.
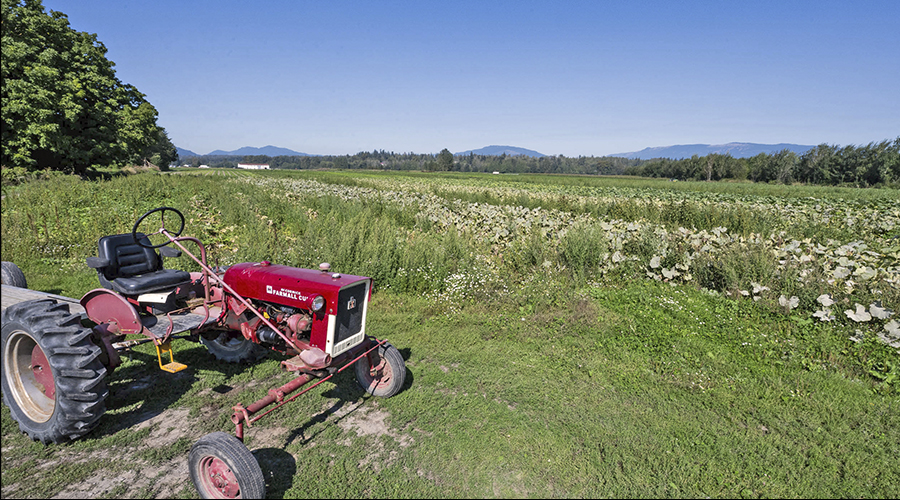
pixel 564 337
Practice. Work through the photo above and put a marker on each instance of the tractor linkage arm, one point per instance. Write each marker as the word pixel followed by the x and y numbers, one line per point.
pixel 208 273
pixel 246 414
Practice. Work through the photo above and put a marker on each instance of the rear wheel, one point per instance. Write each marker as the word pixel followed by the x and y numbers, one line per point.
pixel 384 375
pixel 53 380
pixel 222 467
pixel 233 348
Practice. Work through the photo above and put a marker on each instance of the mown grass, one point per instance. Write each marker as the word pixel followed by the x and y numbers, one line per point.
pixel 562 384
pixel 602 397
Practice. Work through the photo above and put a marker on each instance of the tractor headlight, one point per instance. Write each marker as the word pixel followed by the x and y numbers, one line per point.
pixel 318 303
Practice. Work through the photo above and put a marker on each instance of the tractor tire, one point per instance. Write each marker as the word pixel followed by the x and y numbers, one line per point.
pixel 53 380
pixel 222 467
pixel 12 275
pixel 386 378
pixel 234 349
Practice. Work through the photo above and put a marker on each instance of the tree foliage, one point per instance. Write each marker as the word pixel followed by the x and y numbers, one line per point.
pixel 445 160
pixel 871 165
pixel 63 107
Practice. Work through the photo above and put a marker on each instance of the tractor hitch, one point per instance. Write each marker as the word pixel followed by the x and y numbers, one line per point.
pixel 248 414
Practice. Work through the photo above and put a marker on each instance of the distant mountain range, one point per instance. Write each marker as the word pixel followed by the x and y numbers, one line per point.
pixel 500 150
pixel 185 153
pixel 276 151
pixel 244 151
pixel 735 149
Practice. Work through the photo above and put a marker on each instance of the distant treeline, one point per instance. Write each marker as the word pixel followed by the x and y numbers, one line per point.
pixel 382 160
pixel 870 165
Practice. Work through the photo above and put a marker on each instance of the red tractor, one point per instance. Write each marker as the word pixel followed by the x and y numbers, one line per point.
pixel 55 363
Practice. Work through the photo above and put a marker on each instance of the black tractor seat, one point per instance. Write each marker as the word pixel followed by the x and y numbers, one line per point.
pixel 130 269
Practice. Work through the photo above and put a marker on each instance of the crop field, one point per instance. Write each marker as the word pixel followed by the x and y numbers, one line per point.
pixel 565 336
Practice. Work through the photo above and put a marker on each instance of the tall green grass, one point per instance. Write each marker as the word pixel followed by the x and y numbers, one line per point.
pixel 50 228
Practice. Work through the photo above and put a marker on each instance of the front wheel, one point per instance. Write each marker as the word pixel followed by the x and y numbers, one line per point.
pixel 381 372
pixel 222 467
pixel 53 379
pixel 231 347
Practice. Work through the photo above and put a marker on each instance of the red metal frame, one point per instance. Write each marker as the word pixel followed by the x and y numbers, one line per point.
pixel 209 273
pixel 246 414
pixel 116 315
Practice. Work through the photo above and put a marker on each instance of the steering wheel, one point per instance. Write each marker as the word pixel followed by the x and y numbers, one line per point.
pixel 134 230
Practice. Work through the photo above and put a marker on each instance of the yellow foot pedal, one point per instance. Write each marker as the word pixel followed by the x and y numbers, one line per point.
pixel 171 366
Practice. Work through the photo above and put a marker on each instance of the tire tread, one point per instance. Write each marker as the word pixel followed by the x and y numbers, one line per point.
pixel 79 375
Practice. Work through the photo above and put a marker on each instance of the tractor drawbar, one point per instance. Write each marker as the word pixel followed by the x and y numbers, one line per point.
pixel 248 414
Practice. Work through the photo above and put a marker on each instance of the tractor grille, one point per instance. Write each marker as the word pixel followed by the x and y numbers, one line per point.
pixel 351 301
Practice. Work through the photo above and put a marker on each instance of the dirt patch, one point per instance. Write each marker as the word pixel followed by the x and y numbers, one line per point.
pixel 167 427
pixel 145 477
pixel 144 480
pixel 268 437
pixel 369 421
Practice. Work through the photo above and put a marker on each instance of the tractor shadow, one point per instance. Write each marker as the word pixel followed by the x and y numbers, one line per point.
pixel 278 468
pixel 140 384
pixel 350 398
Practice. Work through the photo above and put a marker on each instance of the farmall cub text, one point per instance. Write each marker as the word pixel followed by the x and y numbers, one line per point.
pixel 55 363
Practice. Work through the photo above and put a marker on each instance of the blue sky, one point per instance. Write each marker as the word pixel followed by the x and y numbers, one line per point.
pixel 563 77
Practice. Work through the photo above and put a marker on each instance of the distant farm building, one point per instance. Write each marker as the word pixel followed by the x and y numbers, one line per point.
pixel 254 166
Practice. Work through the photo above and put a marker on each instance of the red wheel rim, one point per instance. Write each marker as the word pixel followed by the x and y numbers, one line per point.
pixel 30 376
pixel 218 479
pixel 43 375
pixel 380 375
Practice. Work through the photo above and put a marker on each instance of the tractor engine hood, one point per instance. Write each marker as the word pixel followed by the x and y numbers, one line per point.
pixel 291 286
pixel 338 326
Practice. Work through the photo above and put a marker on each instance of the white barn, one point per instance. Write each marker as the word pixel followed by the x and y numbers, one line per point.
pixel 254 166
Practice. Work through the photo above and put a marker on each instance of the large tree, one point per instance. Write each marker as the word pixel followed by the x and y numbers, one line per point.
pixel 63 107
pixel 445 160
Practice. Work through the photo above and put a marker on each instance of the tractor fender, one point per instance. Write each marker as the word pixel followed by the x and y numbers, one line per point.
pixel 105 306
